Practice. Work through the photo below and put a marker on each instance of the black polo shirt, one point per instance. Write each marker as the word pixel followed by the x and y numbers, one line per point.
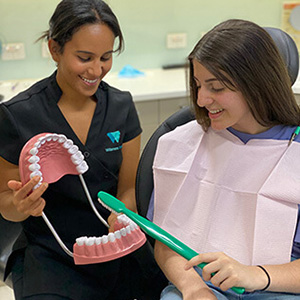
pixel 47 269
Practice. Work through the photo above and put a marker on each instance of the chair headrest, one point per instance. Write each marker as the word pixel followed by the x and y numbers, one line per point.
pixel 288 50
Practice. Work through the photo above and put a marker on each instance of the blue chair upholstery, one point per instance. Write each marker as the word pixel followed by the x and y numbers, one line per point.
pixel 287 49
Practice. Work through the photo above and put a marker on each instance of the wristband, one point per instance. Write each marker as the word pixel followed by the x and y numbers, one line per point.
pixel 269 278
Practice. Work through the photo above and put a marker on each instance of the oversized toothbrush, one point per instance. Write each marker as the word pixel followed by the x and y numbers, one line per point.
pixel 115 205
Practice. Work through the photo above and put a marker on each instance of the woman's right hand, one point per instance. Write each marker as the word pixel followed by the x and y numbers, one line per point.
pixel 27 201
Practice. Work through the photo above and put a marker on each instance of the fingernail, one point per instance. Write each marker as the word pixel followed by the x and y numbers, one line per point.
pixel 36 178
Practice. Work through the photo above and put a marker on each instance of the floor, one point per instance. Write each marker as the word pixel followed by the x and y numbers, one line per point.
pixel 6 293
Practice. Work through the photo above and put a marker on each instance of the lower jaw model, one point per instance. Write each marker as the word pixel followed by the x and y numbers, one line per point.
pixel 51 156
pixel 126 238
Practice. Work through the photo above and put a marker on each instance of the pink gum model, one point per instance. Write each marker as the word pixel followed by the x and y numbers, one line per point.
pixel 127 238
pixel 51 156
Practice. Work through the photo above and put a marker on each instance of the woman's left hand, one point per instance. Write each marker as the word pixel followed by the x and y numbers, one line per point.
pixel 225 272
pixel 112 219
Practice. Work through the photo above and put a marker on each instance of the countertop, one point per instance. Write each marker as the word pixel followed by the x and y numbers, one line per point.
pixel 155 84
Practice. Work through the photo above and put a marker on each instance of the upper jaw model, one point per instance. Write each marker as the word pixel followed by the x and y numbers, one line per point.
pixel 51 156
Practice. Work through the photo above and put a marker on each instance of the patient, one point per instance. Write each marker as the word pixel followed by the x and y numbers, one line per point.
pixel 235 188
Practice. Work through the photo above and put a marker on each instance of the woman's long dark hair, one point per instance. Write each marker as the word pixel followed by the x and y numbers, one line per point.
pixel 243 56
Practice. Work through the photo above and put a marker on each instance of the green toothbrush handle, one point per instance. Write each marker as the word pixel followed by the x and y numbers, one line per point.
pixel 176 245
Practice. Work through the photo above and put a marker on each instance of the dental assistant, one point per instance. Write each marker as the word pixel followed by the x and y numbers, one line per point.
pixel 76 102
pixel 234 173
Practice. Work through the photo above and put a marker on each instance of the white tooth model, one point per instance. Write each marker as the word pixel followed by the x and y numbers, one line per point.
pixel 51 156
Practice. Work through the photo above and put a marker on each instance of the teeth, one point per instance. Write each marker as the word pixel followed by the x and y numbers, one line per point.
pixel 111 237
pixel 36 173
pixel 98 240
pixel 34 167
pixel 128 229
pixel 90 241
pixel 81 240
pixel 37 185
pixel 62 138
pixel 123 231
pixel 77 158
pixel 74 149
pixel 82 168
pixel 118 234
pixel 34 159
pixel 68 144
pixel 48 137
pixel 75 155
pixel 88 80
pixel 33 151
pixel 123 219
pixel 55 137
pixel 42 140
pixel 215 111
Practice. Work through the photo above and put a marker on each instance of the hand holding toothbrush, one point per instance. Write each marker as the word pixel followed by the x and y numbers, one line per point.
pixel 225 272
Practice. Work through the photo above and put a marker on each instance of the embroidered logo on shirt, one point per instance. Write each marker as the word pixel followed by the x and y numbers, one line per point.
pixel 113 149
pixel 114 136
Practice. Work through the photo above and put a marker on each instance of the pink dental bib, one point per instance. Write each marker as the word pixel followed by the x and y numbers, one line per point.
pixel 51 156
pixel 227 196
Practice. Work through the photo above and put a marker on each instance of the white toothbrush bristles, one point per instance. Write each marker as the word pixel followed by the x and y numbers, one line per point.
pixel 107 207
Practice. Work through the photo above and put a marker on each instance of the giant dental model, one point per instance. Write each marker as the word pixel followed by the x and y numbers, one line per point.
pixel 51 156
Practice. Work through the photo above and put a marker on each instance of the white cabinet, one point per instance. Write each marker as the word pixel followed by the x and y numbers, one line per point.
pixel 168 107
pixel 149 118
pixel 153 113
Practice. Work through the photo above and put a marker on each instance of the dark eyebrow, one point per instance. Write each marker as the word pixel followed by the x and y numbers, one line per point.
pixel 207 80
pixel 211 79
pixel 91 53
pixel 84 52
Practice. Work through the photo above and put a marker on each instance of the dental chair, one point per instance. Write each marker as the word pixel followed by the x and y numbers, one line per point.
pixel 144 181
pixel 9 231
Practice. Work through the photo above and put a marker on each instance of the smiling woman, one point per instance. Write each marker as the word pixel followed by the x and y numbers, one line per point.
pixel 85 60
pixel 226 106
pixel 75 102
pixel 224 169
